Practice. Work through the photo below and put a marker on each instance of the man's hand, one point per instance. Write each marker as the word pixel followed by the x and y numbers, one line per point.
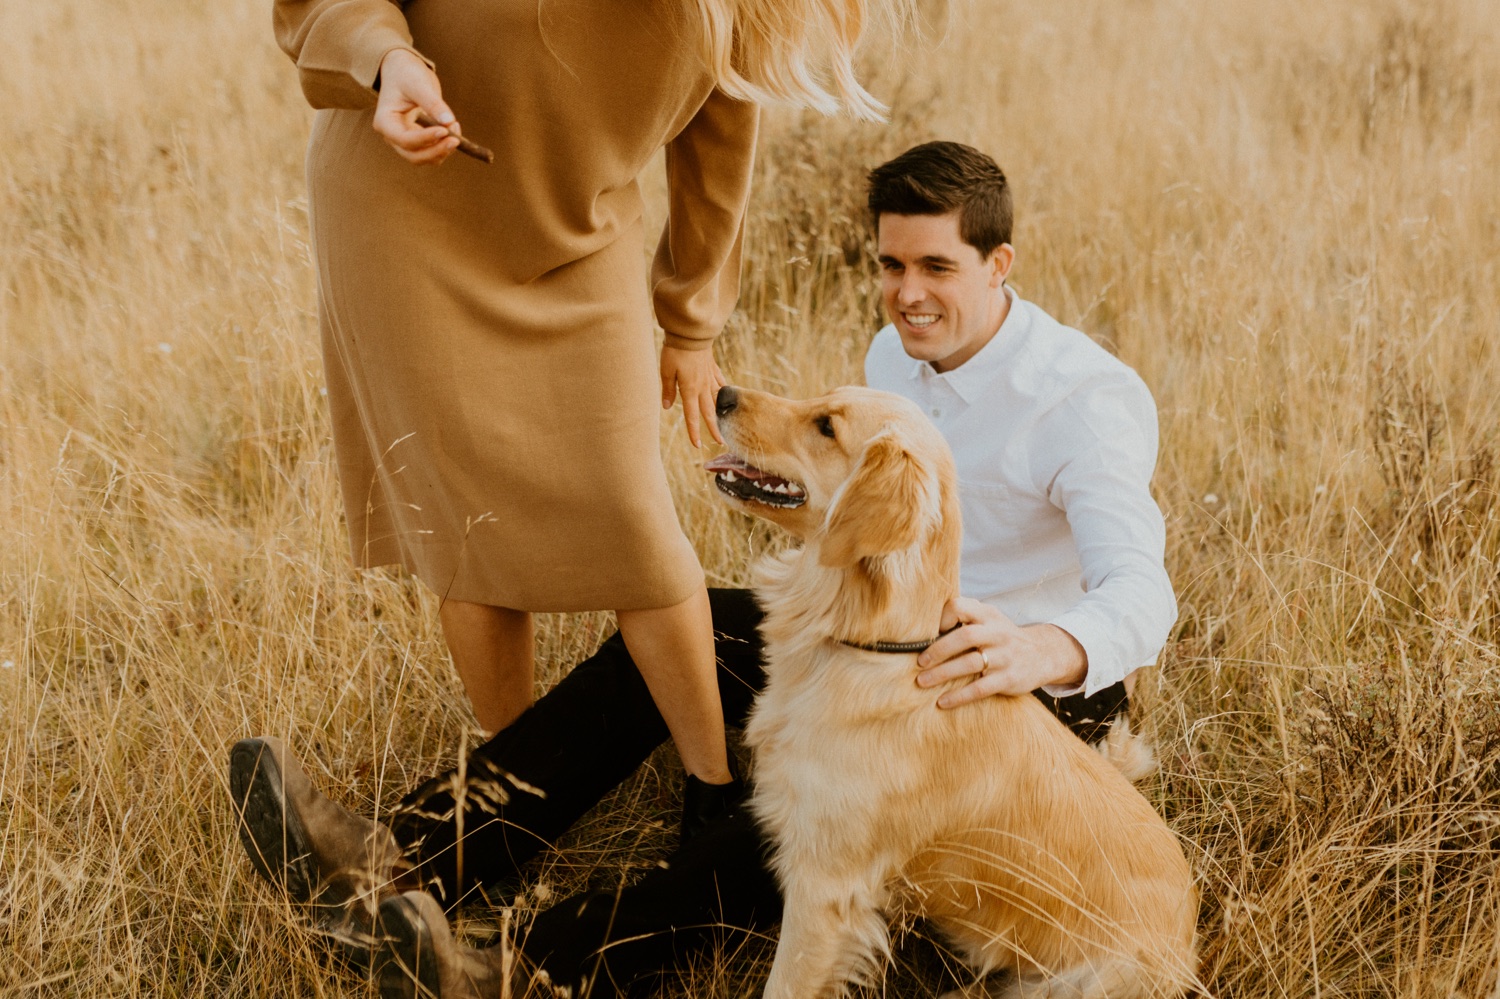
pixel 1002 657
pixel 408 87
pixel 695 374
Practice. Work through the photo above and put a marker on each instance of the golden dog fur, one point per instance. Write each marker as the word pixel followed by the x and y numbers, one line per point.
pixel 1028 850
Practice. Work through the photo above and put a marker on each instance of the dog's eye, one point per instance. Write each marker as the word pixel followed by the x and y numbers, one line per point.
pixel 825 426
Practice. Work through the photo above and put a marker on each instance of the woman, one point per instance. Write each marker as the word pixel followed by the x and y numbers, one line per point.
pixel 487 330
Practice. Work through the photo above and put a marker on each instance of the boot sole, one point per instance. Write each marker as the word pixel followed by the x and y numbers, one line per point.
pixel 272 833
pixel 276 839
pixel 406 964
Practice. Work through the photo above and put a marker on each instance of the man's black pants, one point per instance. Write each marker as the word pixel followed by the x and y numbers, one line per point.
pixel 575 745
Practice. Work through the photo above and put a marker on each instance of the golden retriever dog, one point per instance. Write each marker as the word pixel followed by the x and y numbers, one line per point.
pixel 1035 857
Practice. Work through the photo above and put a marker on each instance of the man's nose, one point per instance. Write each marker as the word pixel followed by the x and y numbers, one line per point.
pixel 726 401
pixel 911 290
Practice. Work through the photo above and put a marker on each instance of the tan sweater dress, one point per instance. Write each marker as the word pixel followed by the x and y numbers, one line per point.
pixel 487 330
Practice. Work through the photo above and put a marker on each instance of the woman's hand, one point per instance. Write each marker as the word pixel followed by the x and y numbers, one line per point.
pixel 407 87
pixel 695 374
pixel 1002 657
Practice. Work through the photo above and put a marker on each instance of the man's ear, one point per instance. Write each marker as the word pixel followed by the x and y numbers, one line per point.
pixel 882 508
pixel 1002 259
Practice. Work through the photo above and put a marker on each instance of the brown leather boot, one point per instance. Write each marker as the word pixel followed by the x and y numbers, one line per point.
pixel 418 958
pixel 319 852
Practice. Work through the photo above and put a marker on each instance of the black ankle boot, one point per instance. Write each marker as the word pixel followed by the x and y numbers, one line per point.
pixel 703 803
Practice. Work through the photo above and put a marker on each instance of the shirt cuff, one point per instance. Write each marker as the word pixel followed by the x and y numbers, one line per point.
pixel 1103 666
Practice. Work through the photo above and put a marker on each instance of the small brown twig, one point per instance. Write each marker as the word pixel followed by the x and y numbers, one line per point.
pixel 466 147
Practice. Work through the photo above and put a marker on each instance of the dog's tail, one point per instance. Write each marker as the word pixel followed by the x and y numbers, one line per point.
pixel 1127 752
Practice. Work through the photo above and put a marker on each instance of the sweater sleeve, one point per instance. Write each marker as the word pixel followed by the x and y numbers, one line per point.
pixel 695 279
pixel 338 46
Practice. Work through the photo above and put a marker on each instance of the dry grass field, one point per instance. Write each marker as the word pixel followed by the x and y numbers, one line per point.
pixel 1285 214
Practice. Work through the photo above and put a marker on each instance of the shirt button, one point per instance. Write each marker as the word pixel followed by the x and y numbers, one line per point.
pixel 937 412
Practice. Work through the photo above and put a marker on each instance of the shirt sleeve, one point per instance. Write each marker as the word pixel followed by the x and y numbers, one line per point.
pixel 1106 438
pixel 338 46
pixel 695 278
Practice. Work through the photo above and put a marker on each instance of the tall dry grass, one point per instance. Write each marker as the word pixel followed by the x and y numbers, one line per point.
pixel 1283 214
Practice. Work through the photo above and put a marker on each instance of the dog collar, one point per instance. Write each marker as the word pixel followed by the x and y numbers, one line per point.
pixel 894 647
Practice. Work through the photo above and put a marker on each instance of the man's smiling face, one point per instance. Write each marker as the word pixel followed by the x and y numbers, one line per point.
pixel 945 299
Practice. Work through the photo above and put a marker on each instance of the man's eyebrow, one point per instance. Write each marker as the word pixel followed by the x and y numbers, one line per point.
pixel 886 258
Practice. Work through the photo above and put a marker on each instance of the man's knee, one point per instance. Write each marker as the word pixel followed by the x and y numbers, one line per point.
pixel 1089 718
pixel 734 609
pixel 738 648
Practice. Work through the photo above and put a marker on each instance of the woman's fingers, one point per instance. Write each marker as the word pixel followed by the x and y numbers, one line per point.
pixel 697 409
pixel 408 88
pixel 414 143
pixel 690 417
pixel 693 375
pixel 414 139
pixel 428 155
pixel 707 404
pixel 708 401
pixel 396 121
pixel 432 155
pixel 698 412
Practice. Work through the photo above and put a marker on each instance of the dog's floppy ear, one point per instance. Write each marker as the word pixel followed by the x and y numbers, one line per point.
pixel 883 507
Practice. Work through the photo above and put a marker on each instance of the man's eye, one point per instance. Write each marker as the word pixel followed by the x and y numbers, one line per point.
pixel 825 426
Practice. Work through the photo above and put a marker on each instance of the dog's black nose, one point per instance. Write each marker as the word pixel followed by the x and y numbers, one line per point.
pixel 728 399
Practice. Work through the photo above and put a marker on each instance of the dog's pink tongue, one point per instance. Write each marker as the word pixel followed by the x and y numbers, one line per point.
pixel 728 462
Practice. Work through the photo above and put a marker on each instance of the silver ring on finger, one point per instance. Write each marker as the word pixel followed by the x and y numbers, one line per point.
pixel 984 659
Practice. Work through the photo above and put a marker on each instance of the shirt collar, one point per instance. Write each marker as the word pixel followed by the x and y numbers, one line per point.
pixel 971 378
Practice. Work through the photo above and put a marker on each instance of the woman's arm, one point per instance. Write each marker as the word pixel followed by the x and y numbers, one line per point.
pixel 354 53
pixel 696 275
pixel 338 46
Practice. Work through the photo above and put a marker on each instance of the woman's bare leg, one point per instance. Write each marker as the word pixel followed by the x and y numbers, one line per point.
pixel 492 647
pixel 673 647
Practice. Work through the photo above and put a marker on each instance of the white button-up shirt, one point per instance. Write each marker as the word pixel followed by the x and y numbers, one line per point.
pixel 1055 441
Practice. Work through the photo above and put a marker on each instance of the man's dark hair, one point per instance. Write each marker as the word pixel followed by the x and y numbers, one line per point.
pixel 936 178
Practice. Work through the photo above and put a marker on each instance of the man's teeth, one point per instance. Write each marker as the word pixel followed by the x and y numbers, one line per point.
pixel 920 321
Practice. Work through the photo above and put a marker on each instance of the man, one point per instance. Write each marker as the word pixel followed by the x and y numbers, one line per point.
pixel 1054 439
pixel 1064 594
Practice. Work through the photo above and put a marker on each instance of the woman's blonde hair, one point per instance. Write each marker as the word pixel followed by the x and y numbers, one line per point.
pixel 797 52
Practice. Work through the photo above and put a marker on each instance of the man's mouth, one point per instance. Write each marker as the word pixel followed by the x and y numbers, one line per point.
pixel 738 478
pixel 920 320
